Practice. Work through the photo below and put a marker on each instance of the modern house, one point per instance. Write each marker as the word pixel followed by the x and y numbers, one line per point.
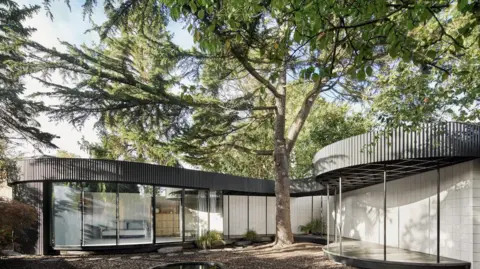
pixel 402 198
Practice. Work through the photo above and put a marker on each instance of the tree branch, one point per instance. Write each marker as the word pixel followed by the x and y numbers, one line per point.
pixel 264 108
pixel 244 61
pixel 245 149
pixel 444 32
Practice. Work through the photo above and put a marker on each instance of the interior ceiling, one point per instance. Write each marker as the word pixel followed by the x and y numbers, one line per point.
pixel 360 176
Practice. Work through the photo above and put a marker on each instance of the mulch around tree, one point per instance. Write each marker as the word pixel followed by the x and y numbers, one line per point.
pixel 300 255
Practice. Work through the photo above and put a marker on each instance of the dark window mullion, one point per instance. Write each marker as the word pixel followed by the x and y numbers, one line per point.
pixel 183 214
pixel 117 217
pixel 154 220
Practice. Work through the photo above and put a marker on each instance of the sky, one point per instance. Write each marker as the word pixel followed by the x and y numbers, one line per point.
pixel 71 27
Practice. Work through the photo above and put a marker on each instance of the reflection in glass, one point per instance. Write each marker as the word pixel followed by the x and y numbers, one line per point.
pixel 168 214
pixel 67 214
pixel 100 212
pixel 216 211
pixel 196 213
pixel 134 214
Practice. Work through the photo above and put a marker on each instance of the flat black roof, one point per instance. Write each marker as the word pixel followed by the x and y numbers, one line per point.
pixel 76 169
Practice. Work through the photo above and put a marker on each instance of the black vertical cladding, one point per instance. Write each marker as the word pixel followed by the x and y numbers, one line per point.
pixel 32 194
pixel 47 217
pixel 228 219
pixel 64 169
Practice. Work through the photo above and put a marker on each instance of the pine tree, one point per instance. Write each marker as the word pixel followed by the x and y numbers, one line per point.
pixel 17 114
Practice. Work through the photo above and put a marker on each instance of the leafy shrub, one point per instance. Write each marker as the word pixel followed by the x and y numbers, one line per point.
pixel 314 226
pixel 15 221
pixel 206 240
pixel 250 235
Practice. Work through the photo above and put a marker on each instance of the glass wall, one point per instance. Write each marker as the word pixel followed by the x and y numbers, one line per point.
pixel 108 214
pixel 196 213
pixel 168 214
pixel 216 211
pixel 134 214
pixel 67 214
pixel 100 214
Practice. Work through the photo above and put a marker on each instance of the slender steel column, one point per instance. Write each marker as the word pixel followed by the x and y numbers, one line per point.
pixel 321 214
pixel 336 216
pixel 328 215
pixel 438 214
pixel 154 217
pixel 311 219
pixel 117 212
pixel 340 218
pixel 385 212
pixel 208 208
pixel 82 205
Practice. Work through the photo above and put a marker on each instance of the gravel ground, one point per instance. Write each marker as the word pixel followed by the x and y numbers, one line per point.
pixel 301 255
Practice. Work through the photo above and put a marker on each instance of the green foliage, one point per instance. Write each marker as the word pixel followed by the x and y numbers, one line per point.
pixel 205 241
pixel 250 235
pixel 313 227
pixel 17 218
pixel 66 154
pixel 17 114
pixel 8 166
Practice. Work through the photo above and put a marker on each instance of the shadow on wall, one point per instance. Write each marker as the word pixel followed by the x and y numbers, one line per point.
pixel 29 194
pixel 411 215
pixel 322 164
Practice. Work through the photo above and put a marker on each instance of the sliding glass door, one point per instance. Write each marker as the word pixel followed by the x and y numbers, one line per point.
pixel 168 215
pixel 100 214
pixel 135 214
pixel 67 215
pixel 107 214
pixel 196 213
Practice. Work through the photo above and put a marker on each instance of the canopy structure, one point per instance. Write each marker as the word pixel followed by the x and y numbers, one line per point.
pixel 361 160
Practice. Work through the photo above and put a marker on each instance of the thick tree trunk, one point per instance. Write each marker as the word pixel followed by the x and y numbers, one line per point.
pixel 284 234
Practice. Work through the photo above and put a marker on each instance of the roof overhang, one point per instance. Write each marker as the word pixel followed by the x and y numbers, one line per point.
pixel 362 160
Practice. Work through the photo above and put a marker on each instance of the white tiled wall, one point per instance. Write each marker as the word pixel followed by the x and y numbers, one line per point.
pixel 262 213
pixel 412 212
pixel 476 214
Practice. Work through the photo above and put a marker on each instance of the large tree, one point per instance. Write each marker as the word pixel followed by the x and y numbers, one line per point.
pixel 328 122
pixel 329 46
pixel 17 113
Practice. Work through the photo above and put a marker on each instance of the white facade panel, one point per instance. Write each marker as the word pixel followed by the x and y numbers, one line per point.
pixel 300 212
pixel 257 214
pixel 238 215
pixel 271 215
